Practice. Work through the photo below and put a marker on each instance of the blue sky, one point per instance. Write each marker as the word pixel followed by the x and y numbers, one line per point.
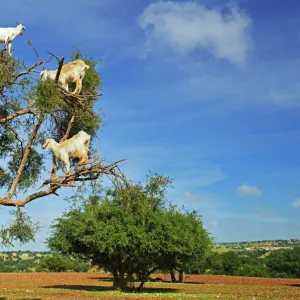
pixel 206 92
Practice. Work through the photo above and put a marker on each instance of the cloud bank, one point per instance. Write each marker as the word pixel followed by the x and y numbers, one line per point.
pixel 247 190
pixel 186 26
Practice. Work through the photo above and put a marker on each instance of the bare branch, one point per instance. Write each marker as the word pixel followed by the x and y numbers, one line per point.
pixel 6 148
pixel 66 136
pixel 60 65
pixel 36 53
pixel 16 134
pixel 91 172
pixel 31 69
pixel 58 58
pixel 27 110
pixel 25 156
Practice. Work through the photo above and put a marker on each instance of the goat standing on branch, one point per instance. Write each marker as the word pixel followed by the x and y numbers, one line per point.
pixel 77 146
pixel 73 71
pixel 7 35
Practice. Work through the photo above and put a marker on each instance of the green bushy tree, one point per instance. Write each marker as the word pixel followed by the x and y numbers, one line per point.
pixel 284 262
pixel 59 263
pixel 131 232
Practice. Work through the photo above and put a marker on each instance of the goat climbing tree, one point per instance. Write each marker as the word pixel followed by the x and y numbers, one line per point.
pixel 30 111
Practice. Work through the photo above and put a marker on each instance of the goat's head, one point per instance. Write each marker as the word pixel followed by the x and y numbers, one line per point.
pixel 22 27
pixel 48 144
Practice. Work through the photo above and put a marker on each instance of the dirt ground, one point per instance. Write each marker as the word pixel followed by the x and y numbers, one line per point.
pixel 37 286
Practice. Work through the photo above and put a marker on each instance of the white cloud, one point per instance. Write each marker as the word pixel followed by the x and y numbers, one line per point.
pixel 191 197
pixel 285 99
pixel 213 224
pixel 247 190
pixel 186 26
pixel 296 203
pixel 264 212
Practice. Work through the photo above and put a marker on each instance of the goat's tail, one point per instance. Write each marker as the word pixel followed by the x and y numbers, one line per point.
pixel 42 73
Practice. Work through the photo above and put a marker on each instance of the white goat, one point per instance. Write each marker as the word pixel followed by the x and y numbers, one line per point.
pixel 7 35
pixel 77 146
pixel 73 71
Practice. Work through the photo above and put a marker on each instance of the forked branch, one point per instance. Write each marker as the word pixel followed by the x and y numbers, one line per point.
pixel 87 173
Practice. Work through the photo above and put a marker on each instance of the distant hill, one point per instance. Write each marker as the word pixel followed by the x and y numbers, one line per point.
pixel 256 245
pixel 219 247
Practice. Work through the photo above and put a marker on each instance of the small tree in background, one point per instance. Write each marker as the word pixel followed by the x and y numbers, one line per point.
pixel 284 262
pixel 59 263
pixel 131 232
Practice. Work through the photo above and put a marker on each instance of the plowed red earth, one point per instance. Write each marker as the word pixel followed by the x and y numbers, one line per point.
pixel 37 286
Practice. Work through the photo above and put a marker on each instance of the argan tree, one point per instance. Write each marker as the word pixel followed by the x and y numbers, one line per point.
pixel 30 111
pixel 131 232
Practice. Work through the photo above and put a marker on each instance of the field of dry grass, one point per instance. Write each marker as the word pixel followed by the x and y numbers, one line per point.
pixel 42 286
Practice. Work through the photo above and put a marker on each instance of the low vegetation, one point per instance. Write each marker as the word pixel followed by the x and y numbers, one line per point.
pixel 14 262
pixel 283 263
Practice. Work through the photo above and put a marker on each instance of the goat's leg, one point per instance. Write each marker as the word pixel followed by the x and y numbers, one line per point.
pixel 78 87
pixel 84 160
pixel 64 84
pixel 9 49
pixel 67 164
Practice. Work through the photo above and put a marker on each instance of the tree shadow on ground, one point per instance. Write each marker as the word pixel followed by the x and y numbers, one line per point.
pixel 295 285
pixel 157 279
pixel 4 298
pixel 169 281
pixel 89 288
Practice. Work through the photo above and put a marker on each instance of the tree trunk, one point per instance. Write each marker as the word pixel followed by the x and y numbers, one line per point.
pixel 173 277
pixel 180 276
pixel 116 283
pixel 143 277
pixel 141 286
pixel 122 281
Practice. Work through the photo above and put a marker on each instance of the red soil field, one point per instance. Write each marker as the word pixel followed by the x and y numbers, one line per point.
pixel 37 286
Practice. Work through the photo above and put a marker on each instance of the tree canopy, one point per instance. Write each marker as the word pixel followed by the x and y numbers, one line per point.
pixel 30 111
pixel 131 232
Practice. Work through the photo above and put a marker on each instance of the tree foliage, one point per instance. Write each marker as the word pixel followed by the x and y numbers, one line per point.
pixel 131 232
pixel 285 262
pixel 30 111
pixel 59 263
